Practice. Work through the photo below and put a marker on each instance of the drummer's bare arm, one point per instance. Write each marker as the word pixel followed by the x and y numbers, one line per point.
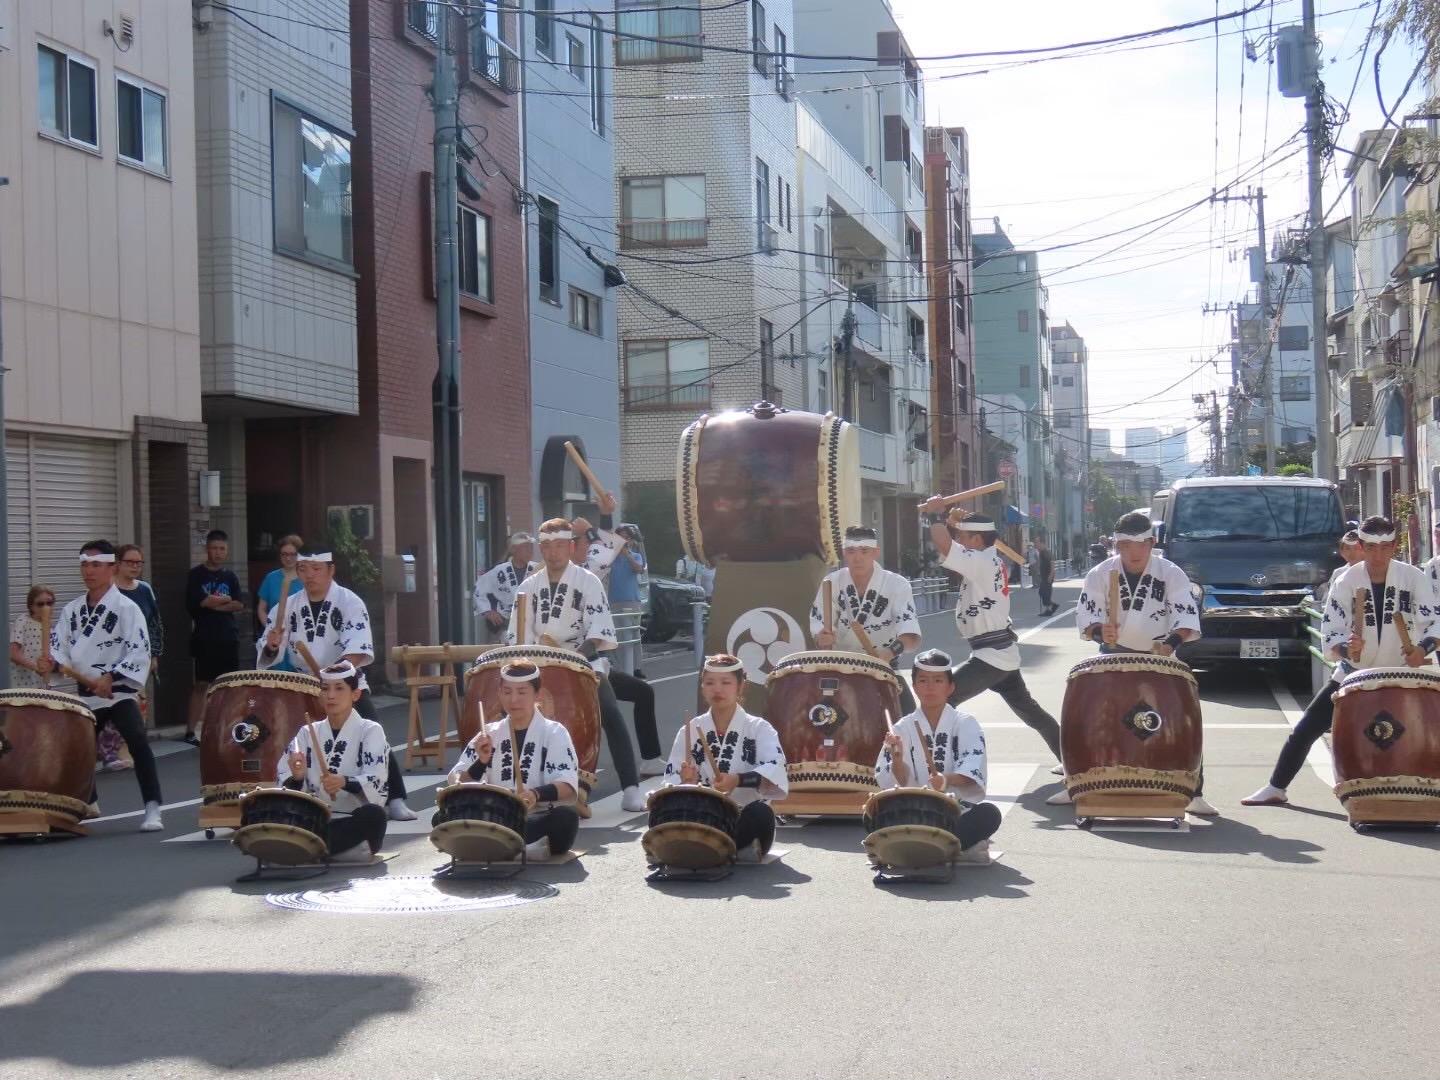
pixel 940 537
pixel 726 783
pixel 689 774
pixel 910 641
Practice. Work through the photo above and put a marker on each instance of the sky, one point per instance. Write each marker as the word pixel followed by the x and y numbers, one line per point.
pixel 1065 151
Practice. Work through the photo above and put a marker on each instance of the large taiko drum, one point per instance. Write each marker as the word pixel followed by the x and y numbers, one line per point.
pixel 47 761
pixel 250 717
pixel 1386 746
pixel 566 678
pixel 766 484
pixel 829 711
pixel 1130 736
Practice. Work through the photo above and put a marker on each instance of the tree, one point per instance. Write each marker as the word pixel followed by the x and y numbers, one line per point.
pixel 1106 498
pixel 1285 457
pixel 1295 470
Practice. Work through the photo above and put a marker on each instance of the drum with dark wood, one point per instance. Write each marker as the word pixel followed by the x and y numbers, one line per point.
pixel 692 827
pixel 911 828
pixel 766 484
pixel 1386 746
pixel 569 695
pixel 283 827
pixel 479 823
pixel 1130 736
pixel 47 761
pixel 829 710
pixel 250 717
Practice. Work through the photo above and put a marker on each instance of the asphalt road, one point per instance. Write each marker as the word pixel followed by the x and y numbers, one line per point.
pixel 1268 943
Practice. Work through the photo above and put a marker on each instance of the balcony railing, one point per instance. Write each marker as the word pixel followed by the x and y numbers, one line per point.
pixel 639 396
pixel 875 450
pixel 863 192
pixel 680 47
pixel 493 60
pixel 871 329
pixel 664 232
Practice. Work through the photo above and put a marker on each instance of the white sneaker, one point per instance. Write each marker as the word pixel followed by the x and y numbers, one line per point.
pixel 91 811
pixel 1269 795
pixel 652 766
pixel 398 811
pixel 1060 798
pixel 360 853
pixel 1200 808
pixel 538 850
pixel 632 800
pixel 1058 770
pixel 152 822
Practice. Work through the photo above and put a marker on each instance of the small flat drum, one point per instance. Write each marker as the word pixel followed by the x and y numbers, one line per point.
pixel 912 828
pixel 479 823
pixel 692 827
pixel 283 827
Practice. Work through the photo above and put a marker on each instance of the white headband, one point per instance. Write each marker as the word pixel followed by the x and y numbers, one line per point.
pixel 521 538
pixel 315 556
pixel 95 557
pixel 338 672
pixel 557 534
pixel 860 542
pixel 1148 534
pixel 1375 538
pixel 975 526
pixel 934 660
pixel 507 673
pixel 723 665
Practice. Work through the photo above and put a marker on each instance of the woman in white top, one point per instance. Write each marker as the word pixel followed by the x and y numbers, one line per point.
pixel 26 667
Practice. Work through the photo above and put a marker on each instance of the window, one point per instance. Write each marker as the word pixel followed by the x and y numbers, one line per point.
pixel 762 203
pixel 1022 264
pixel 69 107
pixel 782 73
pixel 656 32
pixel 575 56
pixel 819 247
pixel 1062 420
pixel 1068 380
pixel 475 276
pixel 913 246
pixel 545 28
pixel 1295 387
pixel 1022 321
pixel 423 16
pixel 789 210
pixel 597 77
pixel 1024 375
pixel 585 312
pixel 311 176
pixel 1294 338
pixel 761 54
pixel 822 388
pixel 662 211
pixel 489 55
pixel 140 116
pixel 1294 436
pixel 667 374
pixel 549 257
pixel 960 323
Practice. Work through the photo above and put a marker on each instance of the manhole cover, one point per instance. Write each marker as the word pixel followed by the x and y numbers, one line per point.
pixel 412 896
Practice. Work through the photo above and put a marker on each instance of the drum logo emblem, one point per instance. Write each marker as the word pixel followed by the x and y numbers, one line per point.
pixel 1384 731
pixel 248 733
pixel 825 716
pixel 761 638
pixel 1143 721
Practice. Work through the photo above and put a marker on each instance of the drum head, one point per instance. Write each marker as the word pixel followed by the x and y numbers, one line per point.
pixel 912 847
pixel 283 845
pixel 688 846
pixel 477 841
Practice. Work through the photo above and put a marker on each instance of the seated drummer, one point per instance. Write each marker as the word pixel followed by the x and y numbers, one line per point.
pixel 353 775
pixel 549 770
pixel 749 762
pixel 954 743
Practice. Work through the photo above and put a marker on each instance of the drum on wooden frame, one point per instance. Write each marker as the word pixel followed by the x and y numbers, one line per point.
pixel 479 823
pixel 283 827
pixel 1385 742
pixel 692 827
pixel 47 760
pixel 911 828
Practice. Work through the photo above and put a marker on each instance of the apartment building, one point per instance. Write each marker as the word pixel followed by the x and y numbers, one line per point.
pixel 1070 402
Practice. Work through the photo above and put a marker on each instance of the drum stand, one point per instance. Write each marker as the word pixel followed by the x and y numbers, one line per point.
pixel 661 872
pixel 280 872
pixel 38 823
pixel 460 869
pixel 885 874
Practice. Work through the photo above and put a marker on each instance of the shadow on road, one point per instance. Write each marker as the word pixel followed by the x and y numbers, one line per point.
pixel 770 881
pixel 996 881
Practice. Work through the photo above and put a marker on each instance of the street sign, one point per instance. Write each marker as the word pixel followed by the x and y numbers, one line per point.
pixel 1006 469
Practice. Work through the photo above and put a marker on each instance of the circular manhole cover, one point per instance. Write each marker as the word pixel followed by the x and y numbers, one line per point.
pixel 412 896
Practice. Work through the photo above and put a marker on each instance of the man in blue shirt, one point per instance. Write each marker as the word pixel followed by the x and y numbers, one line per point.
pixel 625 592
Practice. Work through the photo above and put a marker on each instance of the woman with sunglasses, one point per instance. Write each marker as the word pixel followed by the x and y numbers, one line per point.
pixel 26 668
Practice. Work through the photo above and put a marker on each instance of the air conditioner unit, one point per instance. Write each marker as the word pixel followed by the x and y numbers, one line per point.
pixel 769 238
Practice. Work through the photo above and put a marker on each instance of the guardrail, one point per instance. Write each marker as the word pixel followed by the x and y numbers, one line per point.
pixel 1320 667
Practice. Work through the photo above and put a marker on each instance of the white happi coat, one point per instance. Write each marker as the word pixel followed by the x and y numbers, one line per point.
pixel 343 629
pixel 750 745
pixel 1408 590
pixel 358 751
pixel 984 604
pixel 601 553
pixel 547 757
pixel 1432 568
pixel 495 589
pixel 573 612
pixel 957 743
pixel 884 612
pixel 108 638
pixel 1160 604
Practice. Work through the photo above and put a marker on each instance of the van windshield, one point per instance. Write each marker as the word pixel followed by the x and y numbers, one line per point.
pixel 1256 513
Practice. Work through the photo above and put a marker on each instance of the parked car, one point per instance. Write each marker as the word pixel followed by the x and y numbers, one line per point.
pixel 669 611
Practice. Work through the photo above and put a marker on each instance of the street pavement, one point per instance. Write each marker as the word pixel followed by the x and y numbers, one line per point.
pixel 1267 943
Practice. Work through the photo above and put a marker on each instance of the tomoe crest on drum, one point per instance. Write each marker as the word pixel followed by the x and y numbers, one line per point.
pixel 1143 720
pixel 1384 731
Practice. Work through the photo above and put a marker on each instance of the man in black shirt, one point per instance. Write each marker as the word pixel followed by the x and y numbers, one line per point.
pixel 212 596
pixel 1045 577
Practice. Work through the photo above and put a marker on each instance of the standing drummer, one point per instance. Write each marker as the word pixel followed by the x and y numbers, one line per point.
pixel 744 760
pixel 1157 611
pixel 494 593
pixel 866 595
pixel 982 615
pixel 939 740
pixel 1389 587
pixel 549 770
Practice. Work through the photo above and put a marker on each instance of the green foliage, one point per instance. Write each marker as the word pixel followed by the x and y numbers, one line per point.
pixel 651 505
pixel 1286 457
pixel 353 564
pixel 1106 498
pixel 1294 469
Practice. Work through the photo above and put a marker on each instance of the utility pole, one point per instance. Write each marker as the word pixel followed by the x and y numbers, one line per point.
pixel 4 499
pixel 1314 132
pixel 445 396
pixel 847 345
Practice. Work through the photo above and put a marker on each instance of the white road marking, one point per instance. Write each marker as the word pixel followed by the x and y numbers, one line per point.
pixel 138 813
pixel 1006 783
pixel 1318 758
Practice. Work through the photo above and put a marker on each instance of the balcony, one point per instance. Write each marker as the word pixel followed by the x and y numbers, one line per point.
pixel 664 232
pixel 858 192
pixel 872 330
pixel 671 48
pixel 493 60
pixel 877 455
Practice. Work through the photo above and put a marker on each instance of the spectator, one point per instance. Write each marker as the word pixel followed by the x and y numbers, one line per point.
pixel 212 596
pixel 129 563
pixel 1043 575
pixel 625 574
pixel 269 593
pixel 25 640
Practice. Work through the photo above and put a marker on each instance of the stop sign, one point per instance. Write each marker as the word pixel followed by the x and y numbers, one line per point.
pixel 1006 469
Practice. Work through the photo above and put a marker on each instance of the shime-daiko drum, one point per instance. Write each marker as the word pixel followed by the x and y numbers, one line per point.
pixel 911 829
pixel 692 827
pixel 1130 737
pixel 479 823
pixel 283 827
pixel 1386 746
pixel 829 710
pixel 47 761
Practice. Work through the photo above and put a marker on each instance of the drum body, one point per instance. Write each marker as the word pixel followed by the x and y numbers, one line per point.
pixel 692 827
pixel 250 717
pixel 829 711
pixel 572 685
pixel 912 828
pixel 47 759
pixel 1130 736
pixel 765 484
pixel 1386 746
pixel 479 823
pixel 283 827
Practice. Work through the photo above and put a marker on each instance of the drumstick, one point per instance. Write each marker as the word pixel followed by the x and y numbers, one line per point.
pixel 309 658
pixel 1403 631
pixel 319 755
pixel 970 493
pixel 522 608
pixel 45 640
pixel 709 758
pixel 546 639
pixel 862 637
pixel 827 602
pixel 1357 618
pixel 515 750
pixel 1009 553
pixel 584 467
pixel 1112 610
pixel 285 580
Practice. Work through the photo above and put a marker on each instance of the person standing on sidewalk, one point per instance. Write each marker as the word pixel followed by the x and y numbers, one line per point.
pixel 212 596
pixel 1044 575
pixel 273 584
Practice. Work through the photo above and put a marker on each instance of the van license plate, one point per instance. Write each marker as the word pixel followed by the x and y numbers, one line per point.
pixel 1260 649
